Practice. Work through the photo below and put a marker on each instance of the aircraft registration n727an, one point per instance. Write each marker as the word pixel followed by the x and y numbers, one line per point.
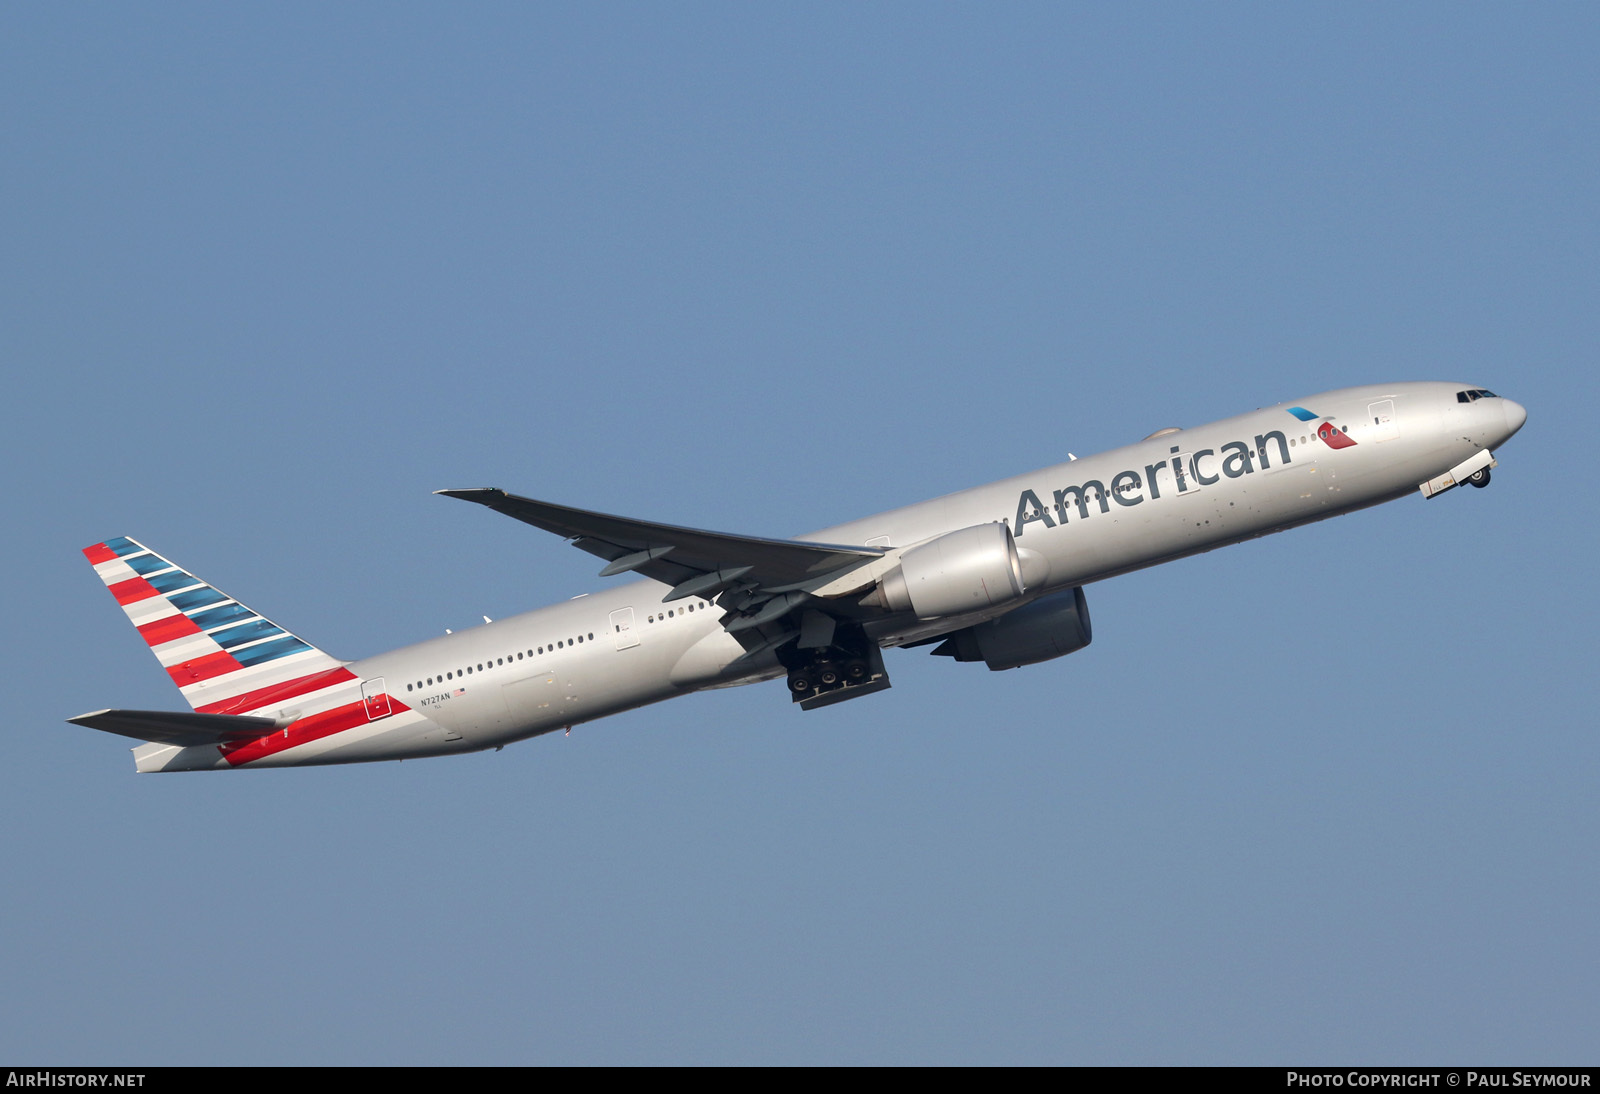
pixel 993 574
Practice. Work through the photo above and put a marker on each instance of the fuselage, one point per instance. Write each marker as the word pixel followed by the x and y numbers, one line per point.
pixel 1174 494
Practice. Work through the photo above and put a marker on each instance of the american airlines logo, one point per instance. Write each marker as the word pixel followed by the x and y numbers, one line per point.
pixel 1180 474
pixel 1330 434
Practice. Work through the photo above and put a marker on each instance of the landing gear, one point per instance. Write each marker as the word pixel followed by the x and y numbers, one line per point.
pixel 852 665
pixel 1473 469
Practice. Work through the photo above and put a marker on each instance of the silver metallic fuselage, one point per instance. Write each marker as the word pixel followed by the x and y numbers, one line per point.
pixel 1176 494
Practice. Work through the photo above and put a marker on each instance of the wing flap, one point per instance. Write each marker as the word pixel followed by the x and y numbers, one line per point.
pixel 177 728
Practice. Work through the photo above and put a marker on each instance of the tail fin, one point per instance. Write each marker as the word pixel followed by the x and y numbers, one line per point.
pixel 225 658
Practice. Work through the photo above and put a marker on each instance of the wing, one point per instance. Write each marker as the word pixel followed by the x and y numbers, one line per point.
pixel 694 562
pixel 794 600
pixel 177 728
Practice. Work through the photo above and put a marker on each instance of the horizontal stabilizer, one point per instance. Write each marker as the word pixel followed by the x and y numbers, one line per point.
pixel 177 728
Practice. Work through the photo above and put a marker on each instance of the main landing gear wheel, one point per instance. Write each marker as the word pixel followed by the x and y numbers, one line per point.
pixel 1479 478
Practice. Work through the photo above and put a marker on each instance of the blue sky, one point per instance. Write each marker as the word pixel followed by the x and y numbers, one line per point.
pixel 275 273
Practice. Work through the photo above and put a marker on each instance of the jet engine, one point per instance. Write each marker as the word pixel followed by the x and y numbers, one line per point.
pixel 968 570
pixel 1052 626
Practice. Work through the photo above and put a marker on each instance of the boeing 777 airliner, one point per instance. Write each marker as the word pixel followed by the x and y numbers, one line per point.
pixel 994 574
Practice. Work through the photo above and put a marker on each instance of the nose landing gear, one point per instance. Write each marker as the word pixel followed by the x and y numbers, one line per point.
pixel 1473 469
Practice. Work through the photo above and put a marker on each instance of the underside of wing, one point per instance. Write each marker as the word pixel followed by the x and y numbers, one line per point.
pixel 177 728
pixel 696 562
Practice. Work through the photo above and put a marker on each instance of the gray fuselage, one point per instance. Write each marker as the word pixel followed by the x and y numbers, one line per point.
pixel 1174 494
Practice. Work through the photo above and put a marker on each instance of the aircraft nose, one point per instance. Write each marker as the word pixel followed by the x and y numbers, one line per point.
pixel 1515 415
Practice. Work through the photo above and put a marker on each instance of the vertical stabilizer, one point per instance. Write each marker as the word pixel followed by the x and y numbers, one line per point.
pixel 224 657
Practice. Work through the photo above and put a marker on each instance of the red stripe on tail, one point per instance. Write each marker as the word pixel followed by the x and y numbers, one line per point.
pixel 313 727
pixel 275 694
pixel 203 668
pixel 165 630
pixel 99 553
pixel 132 590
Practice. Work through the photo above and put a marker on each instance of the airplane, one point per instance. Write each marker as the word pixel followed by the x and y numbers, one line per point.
pixel 993 574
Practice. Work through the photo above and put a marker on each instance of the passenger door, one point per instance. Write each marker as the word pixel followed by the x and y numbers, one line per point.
pixel 622 629
pixel 1384 426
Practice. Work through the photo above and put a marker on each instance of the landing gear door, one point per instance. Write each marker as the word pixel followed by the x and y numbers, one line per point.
pixel 375 699
pixel 1384 427
pixel 622 629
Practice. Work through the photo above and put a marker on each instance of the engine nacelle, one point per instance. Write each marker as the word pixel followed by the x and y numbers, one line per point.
pixel 1052 626
pixel 959 572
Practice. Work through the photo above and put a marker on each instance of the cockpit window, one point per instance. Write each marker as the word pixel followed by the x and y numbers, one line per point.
pixel 1474 395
